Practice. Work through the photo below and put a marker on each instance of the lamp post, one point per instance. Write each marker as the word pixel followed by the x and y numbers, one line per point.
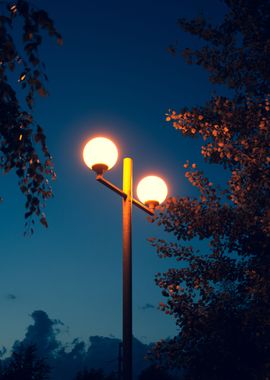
pixel 100 154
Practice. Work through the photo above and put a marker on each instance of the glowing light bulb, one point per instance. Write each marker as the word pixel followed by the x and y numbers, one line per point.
pixel 152 190
pixel 100 154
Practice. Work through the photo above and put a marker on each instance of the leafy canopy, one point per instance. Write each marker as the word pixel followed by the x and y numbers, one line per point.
pixel 219 295
pixel 23 145
pixel 24 364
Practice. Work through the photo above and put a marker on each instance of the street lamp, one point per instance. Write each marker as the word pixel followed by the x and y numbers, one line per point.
pixel 152 191
pixel 100 154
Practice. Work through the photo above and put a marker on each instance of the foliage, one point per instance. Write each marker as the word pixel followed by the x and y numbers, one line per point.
pixel 23 145
pixel 154 373
pixel 237 51
pixel 94 374
pixel 25 365
pixel 219 295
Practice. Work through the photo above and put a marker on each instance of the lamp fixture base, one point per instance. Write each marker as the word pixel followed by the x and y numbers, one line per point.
pixel 99 169
pixel 151 205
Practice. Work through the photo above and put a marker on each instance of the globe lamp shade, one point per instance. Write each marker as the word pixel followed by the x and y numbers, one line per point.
pixel 100 154
pixel 152 190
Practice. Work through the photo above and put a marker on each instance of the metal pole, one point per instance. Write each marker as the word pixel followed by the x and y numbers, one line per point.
pixel 127 270
pixel 119 373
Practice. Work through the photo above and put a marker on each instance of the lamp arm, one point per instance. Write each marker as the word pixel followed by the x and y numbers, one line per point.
pixel 120 192
pixel 142 207
pixel 111 186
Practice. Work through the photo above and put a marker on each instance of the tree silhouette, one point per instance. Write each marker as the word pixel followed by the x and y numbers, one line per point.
pixel 94 374
pixel 22 141
pixel 25 365
pixel 219 295
pixel 154 373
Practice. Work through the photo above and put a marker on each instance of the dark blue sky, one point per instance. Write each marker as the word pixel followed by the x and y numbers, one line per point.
pixel 112 76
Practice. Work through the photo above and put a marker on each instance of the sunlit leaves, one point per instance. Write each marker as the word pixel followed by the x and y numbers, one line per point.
pixel 220 295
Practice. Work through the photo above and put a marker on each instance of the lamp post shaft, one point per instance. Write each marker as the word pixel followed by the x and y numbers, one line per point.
pixel 127 269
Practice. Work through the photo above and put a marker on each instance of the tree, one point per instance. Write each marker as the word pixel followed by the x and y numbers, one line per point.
pixel 220 295
pixel 25 365
pixel 94 374
pixel 22 140
pixel 154 373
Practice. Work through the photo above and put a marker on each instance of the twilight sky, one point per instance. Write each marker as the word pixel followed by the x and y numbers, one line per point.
pixel 112 76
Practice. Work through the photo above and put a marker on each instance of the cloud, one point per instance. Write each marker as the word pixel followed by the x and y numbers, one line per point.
pixel 147 306
pixel 11 297
pixel 42 333
pixel 66 360
pixel 3 351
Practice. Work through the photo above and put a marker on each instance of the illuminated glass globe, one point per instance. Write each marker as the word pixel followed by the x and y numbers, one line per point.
pixel 152 190
pixel 100 154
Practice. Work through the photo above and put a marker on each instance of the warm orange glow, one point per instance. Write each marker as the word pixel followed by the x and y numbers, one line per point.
pixel 100 150
pixel 152 188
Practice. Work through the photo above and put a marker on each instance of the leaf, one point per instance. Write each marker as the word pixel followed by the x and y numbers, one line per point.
pixel 44 221
pixel 42 91
pixel 60 41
